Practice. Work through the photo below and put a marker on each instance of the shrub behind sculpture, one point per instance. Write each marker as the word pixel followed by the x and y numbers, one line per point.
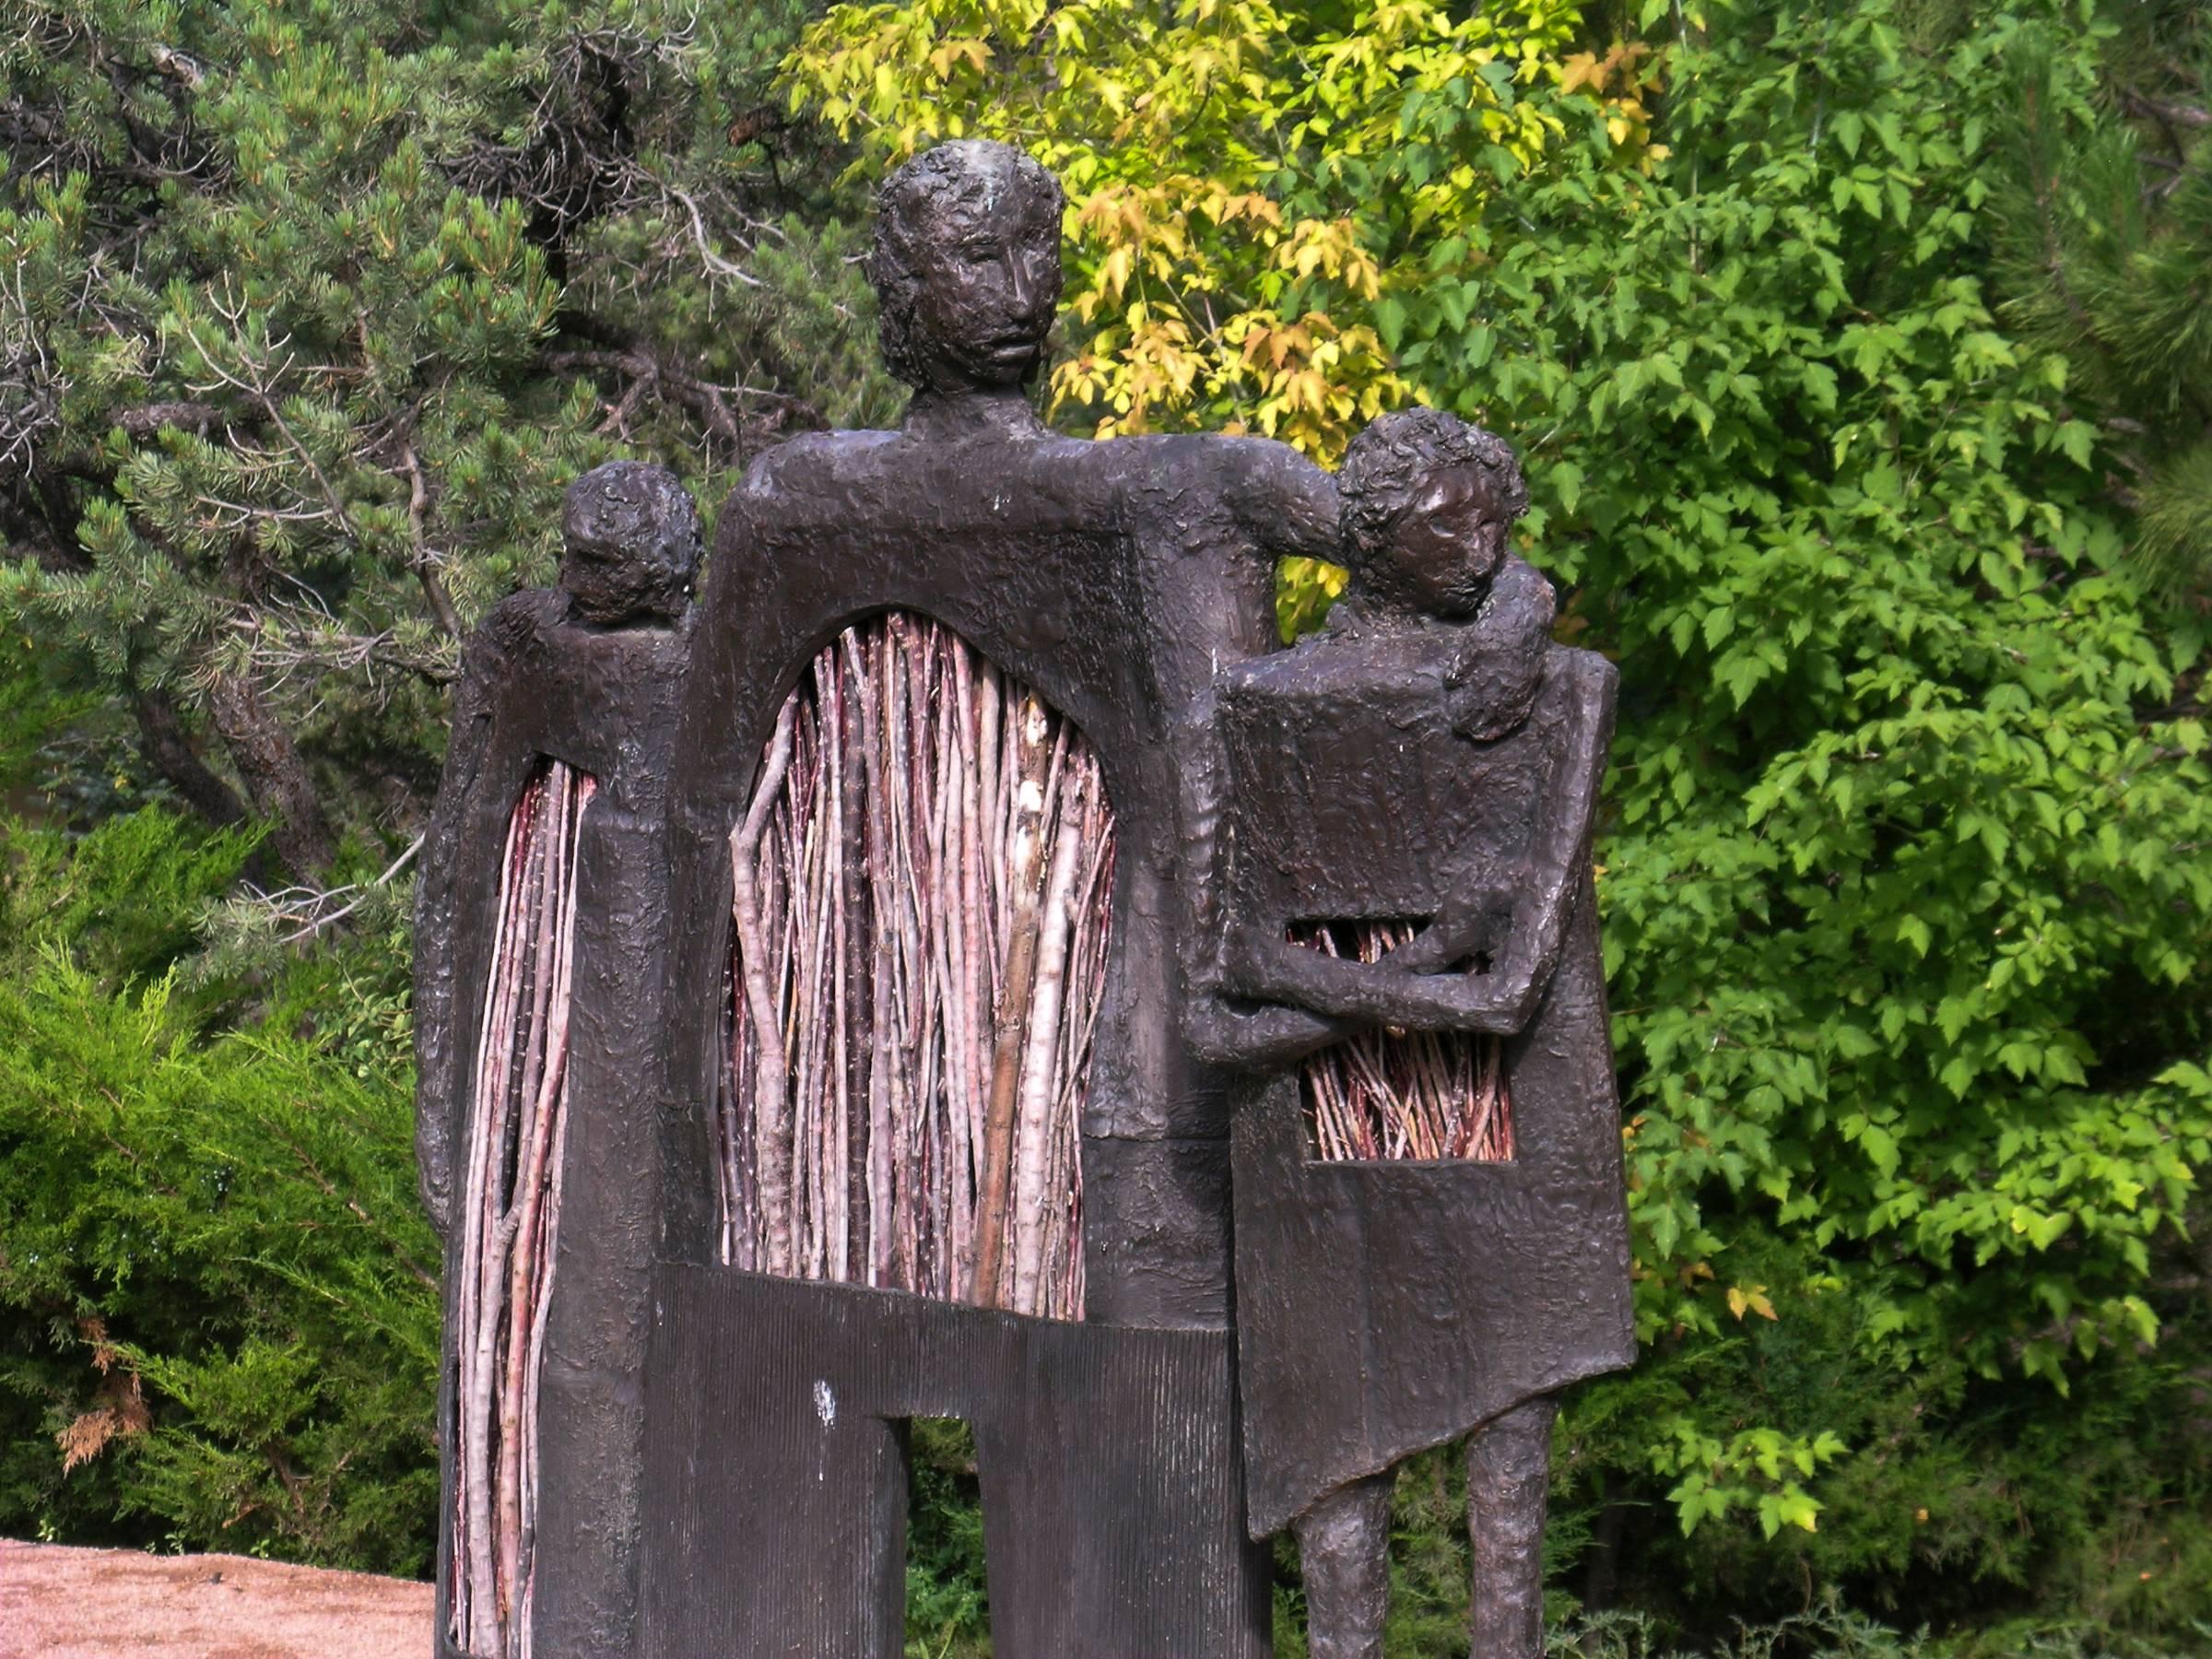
pixel 216 1285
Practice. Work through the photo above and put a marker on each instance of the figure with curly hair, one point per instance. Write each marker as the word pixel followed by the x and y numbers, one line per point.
pixel 1430 1232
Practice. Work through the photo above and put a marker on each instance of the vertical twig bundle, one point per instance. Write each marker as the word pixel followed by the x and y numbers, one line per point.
pixel 922 889
pixel 511 1215
pixel 1415 1096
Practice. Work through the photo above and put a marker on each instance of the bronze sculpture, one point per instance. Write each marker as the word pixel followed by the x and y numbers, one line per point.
pixel 1428 765
pixel 831 1175
pixel 1112 579
pixel 574 685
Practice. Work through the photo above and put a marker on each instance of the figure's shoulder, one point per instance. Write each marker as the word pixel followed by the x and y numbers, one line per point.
pixel 1575 672
pixel 506 639
pixel 810 457
pixel 1235 471
pixel 1274 672
pixel 1236 451
pixel 1342 670
pixel 517 623
pixel 534 630
pixel 834 471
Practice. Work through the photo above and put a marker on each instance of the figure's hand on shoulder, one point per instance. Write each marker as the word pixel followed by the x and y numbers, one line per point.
pixel 1499 666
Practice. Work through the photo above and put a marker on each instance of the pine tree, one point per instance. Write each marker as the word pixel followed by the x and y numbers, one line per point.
pixel 2107 251
pixel 310 312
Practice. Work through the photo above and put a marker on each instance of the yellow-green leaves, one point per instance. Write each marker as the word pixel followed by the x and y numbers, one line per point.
pixel 1251 195
pixel 1760 1469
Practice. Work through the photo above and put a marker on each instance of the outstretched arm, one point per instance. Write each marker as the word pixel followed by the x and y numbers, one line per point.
pixel 1287 503
pixel 1262 1038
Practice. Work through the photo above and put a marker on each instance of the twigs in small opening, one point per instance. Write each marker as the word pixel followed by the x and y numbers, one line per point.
pixel 752 958
pixel 1421 1095
pixel 518 1126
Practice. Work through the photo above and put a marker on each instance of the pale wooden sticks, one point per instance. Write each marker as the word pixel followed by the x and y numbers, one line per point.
pixel 1420 1096
pixel 923 943
pixel 517 1132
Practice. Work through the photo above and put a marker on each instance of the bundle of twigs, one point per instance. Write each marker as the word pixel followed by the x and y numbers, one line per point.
pixel 511 1214
pixel 923 895
pixel 1413 1096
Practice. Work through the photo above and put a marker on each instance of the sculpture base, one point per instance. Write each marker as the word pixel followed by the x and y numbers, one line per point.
pixel 775 1502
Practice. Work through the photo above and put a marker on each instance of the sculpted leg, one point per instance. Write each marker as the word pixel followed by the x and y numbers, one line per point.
pixel 1509 1480
pixel 1344 1544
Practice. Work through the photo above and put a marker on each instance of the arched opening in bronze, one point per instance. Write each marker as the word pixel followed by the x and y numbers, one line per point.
pixel 511 1214
pixel 922 912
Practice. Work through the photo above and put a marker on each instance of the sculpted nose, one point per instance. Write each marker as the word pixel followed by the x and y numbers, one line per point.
pixel 1022 287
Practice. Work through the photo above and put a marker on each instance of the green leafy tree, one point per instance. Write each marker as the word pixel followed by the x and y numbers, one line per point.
pixel 1905 870
pixel 1257 192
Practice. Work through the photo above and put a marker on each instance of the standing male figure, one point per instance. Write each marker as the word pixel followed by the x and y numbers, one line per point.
pixel 1114 579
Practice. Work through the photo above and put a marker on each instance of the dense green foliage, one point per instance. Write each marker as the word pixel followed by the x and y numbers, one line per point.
pixel 1906 875
pixel 1858 354
pixel 220 1291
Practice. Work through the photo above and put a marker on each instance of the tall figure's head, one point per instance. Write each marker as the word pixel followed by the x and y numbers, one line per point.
pixel 967 266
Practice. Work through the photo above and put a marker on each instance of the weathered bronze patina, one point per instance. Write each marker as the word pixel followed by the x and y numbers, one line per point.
pixel 718 1457
pixel 1431 761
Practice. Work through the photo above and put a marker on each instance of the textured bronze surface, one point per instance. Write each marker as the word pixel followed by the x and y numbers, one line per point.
pixel 1432 761
pixel 1108 1468
pixel 1344 1546
pixel 1116 579
pixel 1509 1481
pixel 537 681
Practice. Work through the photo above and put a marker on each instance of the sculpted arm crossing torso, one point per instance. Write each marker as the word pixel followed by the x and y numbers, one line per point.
pixel 1211 590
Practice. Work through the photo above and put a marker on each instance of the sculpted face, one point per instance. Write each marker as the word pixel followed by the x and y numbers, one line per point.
pixel 1428 502
pixel 990 276
pixel 1448 542
pixel 967 267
